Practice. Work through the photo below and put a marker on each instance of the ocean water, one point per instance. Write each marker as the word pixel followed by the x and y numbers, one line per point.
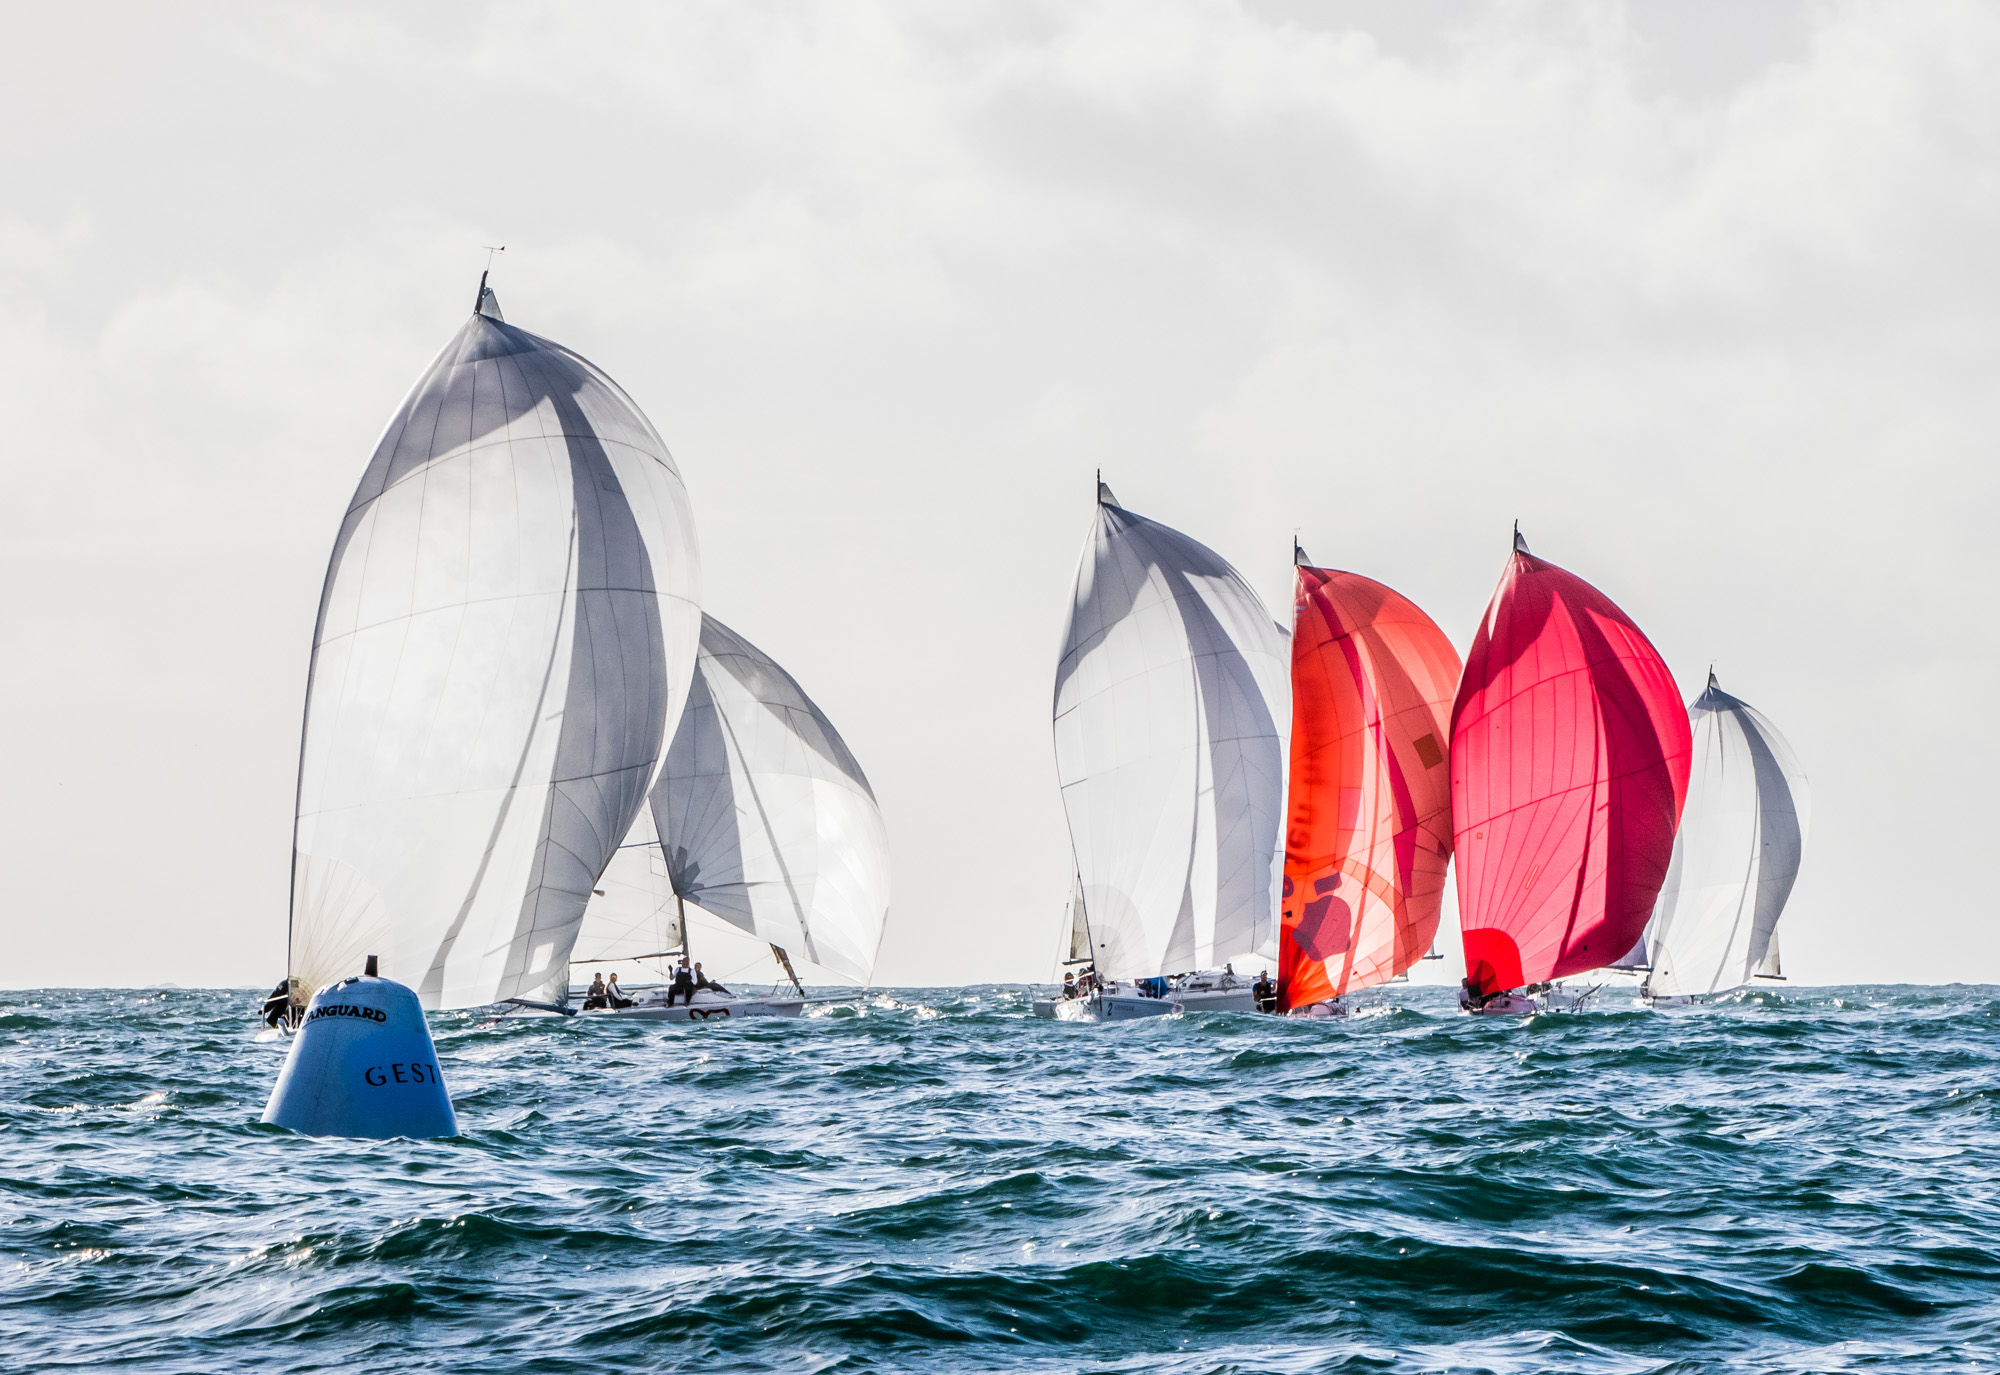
pixel 1798 1180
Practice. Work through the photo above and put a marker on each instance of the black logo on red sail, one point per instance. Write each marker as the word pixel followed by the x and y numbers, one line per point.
pixel 1327 927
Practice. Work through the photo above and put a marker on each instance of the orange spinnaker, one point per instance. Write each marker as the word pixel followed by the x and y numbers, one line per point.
pixel 1569 763
pixel 1369 823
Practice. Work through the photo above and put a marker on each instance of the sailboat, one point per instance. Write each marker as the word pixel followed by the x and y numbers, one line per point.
pixel 1170 720
pixel 1569 769
pixel 505 640
pixel 1735 858
pixel 1075 955
pixel 762 825
pixel 1368 838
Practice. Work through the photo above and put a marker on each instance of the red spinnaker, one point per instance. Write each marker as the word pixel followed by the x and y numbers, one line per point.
pixel 1369 826
pixel 1569 767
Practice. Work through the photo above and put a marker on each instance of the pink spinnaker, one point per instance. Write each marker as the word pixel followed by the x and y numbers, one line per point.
pixel 1569 768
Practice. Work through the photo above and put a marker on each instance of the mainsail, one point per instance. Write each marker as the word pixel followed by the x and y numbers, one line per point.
pixel 1170 719
pixel 1635 959
pixel 1569 767
pixel 1076 947
pixel 765 820
pixel 634 913
pixel 1369 801
pixel 1737 854
pixel 504 642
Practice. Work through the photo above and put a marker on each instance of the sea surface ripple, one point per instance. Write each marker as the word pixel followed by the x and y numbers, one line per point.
pixel 1797 1180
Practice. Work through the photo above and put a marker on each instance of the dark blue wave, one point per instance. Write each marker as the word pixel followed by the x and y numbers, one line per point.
pixel 1790 1179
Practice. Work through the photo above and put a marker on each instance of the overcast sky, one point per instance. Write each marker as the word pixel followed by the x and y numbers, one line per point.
pixel 1704 294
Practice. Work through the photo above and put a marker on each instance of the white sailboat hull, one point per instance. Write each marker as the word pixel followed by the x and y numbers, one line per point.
pixel 1520 1004
pixel 1122 1003
pixel 1504 1005
pixel 1671 999
pixel 705 1008
pixel 1560 999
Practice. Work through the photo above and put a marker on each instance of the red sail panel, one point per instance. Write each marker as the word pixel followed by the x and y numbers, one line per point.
pixel 1569 767
pixel 1369 826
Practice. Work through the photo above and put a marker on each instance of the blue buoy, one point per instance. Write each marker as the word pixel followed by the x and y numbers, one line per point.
pixel 362 1064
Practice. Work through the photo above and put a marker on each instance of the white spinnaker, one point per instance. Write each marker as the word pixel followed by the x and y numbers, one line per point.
pixel 505 640
pixel 1172 708
pixel 1736 855
pixel 765 817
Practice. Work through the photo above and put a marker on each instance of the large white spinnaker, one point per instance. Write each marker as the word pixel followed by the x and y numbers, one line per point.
pixel 1172 707
pixel 1736 855
pixel 505 641
pixel 765 818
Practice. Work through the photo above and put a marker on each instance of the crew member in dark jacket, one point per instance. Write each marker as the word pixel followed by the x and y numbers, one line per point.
pixel 683 984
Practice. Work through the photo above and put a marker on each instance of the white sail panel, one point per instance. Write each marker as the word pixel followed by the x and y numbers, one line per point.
pixel 1737 853
pixel 1172 705
pixel 505 637
pixel 633 913
pixel 766 818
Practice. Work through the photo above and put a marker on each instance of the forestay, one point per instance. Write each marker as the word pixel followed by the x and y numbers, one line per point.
pixel 765 817
pixel 1171 712
pixel 1737 854
pixel 1368 835
pixel 505 638
pixel 1569 767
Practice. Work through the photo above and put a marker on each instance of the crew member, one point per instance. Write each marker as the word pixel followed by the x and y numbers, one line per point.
pixel 1265 991
pixel 702 980
pixel 278 1006
pixel 613 997
pixel 683 984
pixel 594 996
